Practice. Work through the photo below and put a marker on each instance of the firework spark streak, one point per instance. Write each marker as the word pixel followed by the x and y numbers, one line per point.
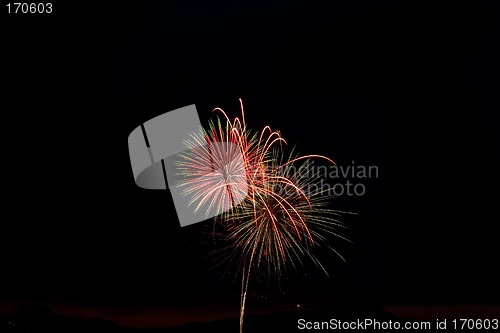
pixel 267 213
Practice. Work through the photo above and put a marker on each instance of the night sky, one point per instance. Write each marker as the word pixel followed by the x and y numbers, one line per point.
pixel 409 87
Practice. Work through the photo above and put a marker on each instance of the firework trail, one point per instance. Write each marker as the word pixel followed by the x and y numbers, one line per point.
pixel 268 214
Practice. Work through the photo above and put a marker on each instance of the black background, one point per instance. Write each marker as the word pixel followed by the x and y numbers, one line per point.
pixel 411 87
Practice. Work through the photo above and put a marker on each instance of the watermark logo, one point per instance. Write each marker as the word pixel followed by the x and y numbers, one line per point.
pixel 336 180
pixel 156 146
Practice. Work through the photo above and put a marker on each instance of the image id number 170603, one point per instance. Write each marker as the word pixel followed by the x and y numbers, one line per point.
pixel 29 8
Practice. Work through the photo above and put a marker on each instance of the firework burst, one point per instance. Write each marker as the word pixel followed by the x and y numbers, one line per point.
pixel 213 171
pixel 268 213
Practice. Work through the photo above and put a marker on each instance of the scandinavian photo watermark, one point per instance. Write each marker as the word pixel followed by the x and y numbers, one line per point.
pixel 335 180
